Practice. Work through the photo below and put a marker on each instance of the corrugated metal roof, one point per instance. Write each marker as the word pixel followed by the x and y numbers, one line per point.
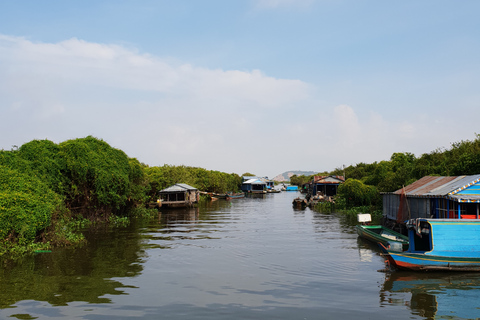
pixel 450 187
pixel 425 185
pixel 328 179
pixel 179 187
pixel 254 181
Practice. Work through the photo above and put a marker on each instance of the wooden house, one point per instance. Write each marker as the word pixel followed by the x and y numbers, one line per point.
pixel 325 185
pixel 178 195
pixel 454 197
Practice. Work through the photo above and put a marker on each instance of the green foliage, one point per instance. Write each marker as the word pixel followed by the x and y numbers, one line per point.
pixel 99 175
pixel 356 193
pixel 209 181
pixel 44 160
pixel 26 205
pixel 350 214
pixel 49 191
pixel 300 180
pixel 248 174
pixel 325 207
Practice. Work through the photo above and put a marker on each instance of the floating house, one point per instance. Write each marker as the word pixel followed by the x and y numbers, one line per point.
pixel 326 185
pixel 178 195
pixel 453 197
pixel 254 186
pixel 270 184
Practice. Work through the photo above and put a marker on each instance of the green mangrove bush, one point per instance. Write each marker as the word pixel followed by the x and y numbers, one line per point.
pixel 26 205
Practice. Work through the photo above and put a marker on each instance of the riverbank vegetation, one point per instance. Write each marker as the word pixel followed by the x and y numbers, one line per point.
pixel 365 181
pixel 51 190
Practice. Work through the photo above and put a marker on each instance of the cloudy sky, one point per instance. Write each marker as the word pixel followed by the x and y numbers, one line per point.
pixel 260 86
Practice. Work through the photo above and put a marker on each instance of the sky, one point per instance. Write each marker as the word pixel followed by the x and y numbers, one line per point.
pixel 257 86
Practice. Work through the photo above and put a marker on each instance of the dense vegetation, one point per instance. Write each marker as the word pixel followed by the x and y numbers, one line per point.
pixel 365 181
pixel 47 189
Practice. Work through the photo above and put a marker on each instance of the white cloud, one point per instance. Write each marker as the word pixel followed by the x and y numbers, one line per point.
pixel 177 113
pixel 156 110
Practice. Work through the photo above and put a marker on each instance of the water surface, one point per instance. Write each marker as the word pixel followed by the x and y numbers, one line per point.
pixel 252 258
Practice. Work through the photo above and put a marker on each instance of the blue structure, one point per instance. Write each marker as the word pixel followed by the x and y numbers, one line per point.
pixel 254 186
pixel 440 244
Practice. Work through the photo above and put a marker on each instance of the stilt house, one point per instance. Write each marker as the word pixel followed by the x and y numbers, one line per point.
pixel 254 186
pixel 179 195
pixel 327 185
pixel 455 197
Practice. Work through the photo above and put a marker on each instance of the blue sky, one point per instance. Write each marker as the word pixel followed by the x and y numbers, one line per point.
pixel 260 86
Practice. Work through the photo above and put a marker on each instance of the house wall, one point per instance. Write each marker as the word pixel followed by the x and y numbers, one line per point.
pixel 413 207
pixel 391 202
pixel 419 207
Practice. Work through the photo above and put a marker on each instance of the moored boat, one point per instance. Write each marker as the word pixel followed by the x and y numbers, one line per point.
pixel 440 244
pixel 231 196
pixel 300 202
pixel 380 234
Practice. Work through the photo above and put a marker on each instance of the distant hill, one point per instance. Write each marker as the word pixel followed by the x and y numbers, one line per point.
pixel 286 175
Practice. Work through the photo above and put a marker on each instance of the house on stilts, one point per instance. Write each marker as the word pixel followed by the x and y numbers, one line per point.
pixel 326 185
pixel 254 185
pixel 178 195
pixel 453 197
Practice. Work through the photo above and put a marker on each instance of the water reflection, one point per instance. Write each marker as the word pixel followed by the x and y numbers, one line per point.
pixel 434 295
pixel 83 274
pixel 184 215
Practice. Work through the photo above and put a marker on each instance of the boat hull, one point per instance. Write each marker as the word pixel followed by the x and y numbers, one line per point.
pixel 423 262
pixel 380 234
pixel 235 196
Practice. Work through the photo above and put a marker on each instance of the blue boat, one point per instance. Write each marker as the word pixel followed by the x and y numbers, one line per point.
pixel 439 244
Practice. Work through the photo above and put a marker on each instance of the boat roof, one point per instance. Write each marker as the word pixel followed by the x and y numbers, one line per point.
pixel 179 187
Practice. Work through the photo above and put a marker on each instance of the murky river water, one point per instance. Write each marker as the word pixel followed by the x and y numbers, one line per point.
pixel 252 258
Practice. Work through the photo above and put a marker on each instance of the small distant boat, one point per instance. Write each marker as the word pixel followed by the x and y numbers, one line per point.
pixel 231 196
pixel 292 188
pixel 273 191
pixel 300 202
pixel 380 234
pixel 439 245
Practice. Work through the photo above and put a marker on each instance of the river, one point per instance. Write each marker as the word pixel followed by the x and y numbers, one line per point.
pixel 251 258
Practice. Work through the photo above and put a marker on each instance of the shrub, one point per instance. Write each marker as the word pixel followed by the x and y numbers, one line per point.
pixel 26 205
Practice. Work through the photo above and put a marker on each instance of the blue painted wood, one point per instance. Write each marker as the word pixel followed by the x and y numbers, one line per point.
pixel 448 244
pixel 471 190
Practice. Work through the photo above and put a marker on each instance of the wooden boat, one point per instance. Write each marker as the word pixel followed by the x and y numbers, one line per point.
pixel 439 244
pixel 231 196
pixel 380 234
pixel 386 236
pixel 300 202
pixel 273 191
